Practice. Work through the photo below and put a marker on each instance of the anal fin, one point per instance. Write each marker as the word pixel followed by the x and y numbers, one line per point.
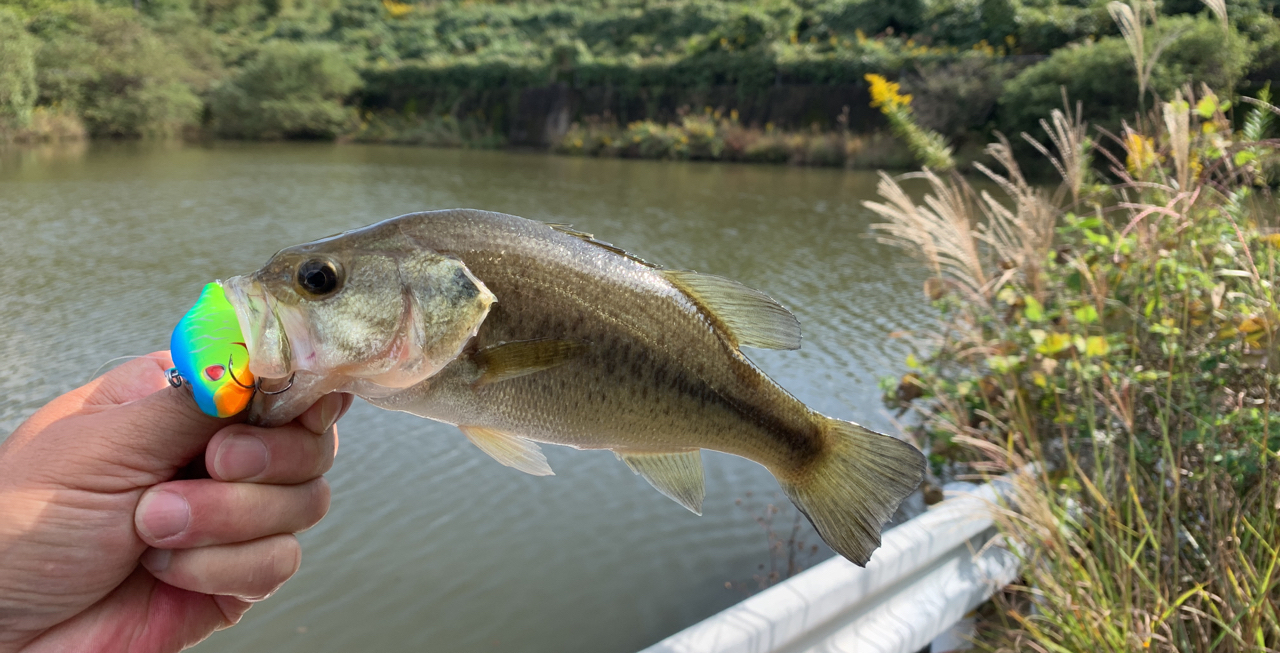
pixel 677 475
pixel 510 450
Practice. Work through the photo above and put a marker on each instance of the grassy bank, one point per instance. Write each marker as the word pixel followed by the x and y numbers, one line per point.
pixel 712 136
pixel 523 72
pixel 1121 332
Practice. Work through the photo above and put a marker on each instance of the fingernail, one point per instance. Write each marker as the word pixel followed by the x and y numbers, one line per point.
pixel 164 514
pixel 240 457
pixel 157 559
pixel 320 417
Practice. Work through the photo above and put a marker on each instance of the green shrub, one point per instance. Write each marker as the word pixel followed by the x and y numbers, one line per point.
pixel 967 22
pixel 120 75
pixel 1103 77
pixel 954 97
pixel 17 72
pixel 1114 343
pixel 289 90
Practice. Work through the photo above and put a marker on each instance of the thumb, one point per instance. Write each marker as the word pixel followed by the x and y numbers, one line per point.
pixel 127 429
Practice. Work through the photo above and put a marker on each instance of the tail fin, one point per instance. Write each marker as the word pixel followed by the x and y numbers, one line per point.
pixel 854 489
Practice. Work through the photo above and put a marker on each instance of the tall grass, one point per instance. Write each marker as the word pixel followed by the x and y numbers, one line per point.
pixel 1121 331
pixel 714 135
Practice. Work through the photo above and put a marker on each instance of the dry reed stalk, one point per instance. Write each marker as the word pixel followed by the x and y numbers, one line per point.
pixel 1177 120
pixel 940 231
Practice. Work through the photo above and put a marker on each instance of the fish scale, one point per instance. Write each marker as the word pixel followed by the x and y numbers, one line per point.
pixel 583 345
pixel 706 382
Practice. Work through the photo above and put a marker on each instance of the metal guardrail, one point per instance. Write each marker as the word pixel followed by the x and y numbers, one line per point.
pixel 928 573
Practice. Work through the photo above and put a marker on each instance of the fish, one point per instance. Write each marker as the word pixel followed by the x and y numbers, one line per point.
pixel 210 355
pixel 587 346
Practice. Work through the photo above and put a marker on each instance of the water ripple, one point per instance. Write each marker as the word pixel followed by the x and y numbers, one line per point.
pixel 430 545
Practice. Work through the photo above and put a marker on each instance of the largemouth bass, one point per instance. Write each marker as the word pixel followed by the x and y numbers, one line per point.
pixel 583 346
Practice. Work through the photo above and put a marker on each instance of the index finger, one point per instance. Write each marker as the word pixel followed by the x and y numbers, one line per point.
pixel 131 381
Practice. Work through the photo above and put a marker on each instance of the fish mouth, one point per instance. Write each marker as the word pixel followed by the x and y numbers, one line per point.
pixel 265 337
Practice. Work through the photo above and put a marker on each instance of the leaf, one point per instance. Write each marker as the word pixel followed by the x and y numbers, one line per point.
pixel 1252 324
pixel 1086 314
pixel 912 362
pixel 1096 238
pixel 1054 343
pixel 1034 310
pixel 1003 364
pixel 1244 157
pixel 1206 106
pixel 1096 346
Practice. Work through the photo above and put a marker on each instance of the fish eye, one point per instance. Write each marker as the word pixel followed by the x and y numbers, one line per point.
pixel 318 278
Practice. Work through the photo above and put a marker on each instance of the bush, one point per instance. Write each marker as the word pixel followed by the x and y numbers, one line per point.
pixel 122 77
pixel 17 72
pixel 955 97
pixel 289 90
pixel 1114 341
pixel 1102 75
pixel 871 16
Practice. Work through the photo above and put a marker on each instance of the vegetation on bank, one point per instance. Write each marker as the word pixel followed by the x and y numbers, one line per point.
pixel 1116 341
pixel 459 71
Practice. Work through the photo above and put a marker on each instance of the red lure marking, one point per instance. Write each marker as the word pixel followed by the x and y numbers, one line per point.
pixel 214 372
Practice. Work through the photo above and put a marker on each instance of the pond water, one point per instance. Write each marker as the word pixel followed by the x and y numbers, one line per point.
pixel 430 545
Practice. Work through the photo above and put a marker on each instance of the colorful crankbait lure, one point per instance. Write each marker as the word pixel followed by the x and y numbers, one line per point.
pixel 209 354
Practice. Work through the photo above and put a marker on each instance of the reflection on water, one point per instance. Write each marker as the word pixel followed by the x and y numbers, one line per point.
pixel 430 545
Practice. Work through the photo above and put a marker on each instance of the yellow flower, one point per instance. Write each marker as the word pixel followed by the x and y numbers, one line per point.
pixel 884 94
pixel 397 9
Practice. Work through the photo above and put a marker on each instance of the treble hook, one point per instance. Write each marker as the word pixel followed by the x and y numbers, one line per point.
pixel 258 385
pixel 232 371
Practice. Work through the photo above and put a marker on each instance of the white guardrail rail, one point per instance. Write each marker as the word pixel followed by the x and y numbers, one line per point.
pixel 929 573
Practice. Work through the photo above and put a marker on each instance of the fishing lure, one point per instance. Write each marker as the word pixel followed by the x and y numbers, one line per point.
pixel 210 355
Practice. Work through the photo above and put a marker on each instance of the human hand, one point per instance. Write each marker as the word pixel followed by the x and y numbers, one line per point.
pixel 100 550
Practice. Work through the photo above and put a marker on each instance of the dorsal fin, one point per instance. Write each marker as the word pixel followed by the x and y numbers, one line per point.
pixel 589 238
pixel 752 318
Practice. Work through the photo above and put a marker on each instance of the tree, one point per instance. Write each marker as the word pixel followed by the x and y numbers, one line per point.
pixel 289 90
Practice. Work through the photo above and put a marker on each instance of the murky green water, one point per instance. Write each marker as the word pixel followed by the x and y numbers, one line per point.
pixel 430 545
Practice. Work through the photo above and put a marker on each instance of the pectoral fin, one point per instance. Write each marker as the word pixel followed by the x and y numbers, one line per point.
pixel 752 318
pixel 510 360
pixel 510 450
pixel 677 475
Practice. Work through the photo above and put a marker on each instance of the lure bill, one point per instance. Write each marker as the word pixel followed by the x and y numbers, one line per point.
pixel 210 356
